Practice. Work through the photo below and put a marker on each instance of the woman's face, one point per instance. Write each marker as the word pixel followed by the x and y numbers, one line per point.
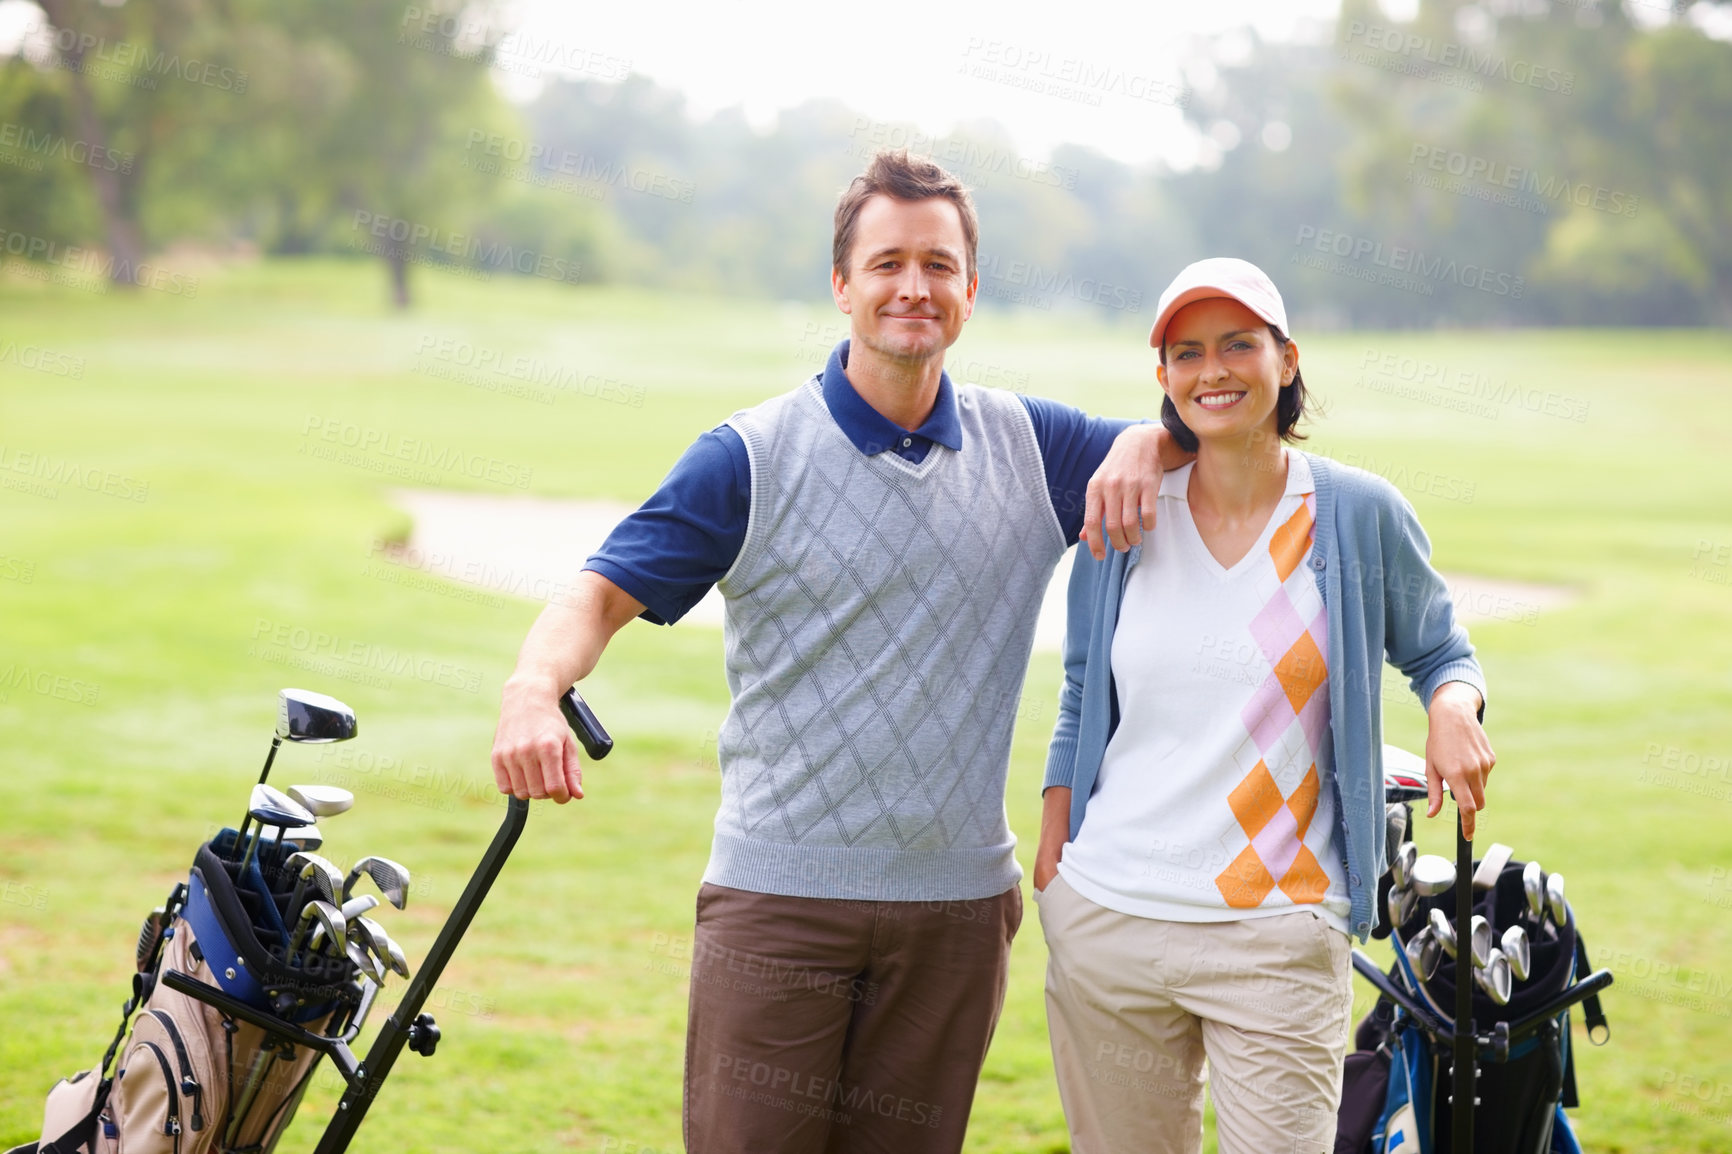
pixel 1224 370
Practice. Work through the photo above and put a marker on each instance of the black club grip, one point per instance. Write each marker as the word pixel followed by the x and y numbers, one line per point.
pixel 581 717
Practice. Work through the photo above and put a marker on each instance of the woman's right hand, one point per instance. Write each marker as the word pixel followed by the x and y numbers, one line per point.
pixel 1054 832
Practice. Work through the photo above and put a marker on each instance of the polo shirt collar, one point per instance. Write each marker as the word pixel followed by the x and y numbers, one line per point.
pixel 871 431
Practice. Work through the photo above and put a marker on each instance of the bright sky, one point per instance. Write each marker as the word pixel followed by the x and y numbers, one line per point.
pixel 1086 71
pixel 1102 73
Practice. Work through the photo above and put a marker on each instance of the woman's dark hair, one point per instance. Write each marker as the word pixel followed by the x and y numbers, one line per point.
pixel 1289 406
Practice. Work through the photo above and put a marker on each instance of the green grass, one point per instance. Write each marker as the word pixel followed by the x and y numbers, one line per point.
pixel 564 1010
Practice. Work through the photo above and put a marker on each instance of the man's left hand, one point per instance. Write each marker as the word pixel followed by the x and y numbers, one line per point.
pixel 1121 494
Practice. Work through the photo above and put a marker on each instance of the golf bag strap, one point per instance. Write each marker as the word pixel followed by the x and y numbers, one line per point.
pixel 82 1135
pixel 1591 1012
pixel 142 985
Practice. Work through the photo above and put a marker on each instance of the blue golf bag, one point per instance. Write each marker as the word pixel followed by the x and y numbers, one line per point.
pixel 1398 1085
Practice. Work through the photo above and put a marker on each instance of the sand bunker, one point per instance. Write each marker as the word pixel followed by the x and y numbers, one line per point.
pixel 534 546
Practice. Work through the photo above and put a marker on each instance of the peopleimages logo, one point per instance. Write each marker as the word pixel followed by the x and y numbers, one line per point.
pixel 1410 47
pixel 1397 260
pixel 1498 181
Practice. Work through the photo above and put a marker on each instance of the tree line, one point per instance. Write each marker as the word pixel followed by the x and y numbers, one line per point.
pixel 1500 162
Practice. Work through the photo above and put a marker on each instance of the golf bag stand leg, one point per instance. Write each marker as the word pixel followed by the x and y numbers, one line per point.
pixel 407 1025
pixel 1464 1073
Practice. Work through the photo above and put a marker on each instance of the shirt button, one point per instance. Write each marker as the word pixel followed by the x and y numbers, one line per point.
pixel 1353 880
pixel 907 442
pixel 1318 562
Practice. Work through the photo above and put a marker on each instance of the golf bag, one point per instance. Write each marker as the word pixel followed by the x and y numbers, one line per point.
pixel 1397 1087
pixel 191 1078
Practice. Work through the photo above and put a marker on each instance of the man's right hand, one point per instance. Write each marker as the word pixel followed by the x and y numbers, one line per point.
pixel 534 752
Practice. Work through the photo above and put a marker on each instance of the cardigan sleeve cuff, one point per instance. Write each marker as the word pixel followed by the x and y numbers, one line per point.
pixel 1060 764
pixel 1466 671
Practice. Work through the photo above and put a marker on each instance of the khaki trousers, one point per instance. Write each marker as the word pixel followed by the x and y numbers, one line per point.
pixel 1134 1005
pixel 841 1027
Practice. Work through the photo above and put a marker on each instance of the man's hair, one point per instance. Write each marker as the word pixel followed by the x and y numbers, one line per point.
pixel 898 175
pixel 1290 406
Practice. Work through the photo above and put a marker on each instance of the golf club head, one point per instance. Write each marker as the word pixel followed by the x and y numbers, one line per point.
pixel 1515 948
pixel 272 807
pixel 323 800
pixel 1534 889
pixel 323 876
pixel 1394 829
pixel 1401 869
pixel 1555 904
pixel 1423 953
pixel 1404 775
pixel 1442 931
pixel 1402 903
pixel 1494 977
pixel 313 718
pixel 1432 875
pixel 366 963
pixel 326 921
pixel 149 935
pixel 370 934
pixel 391 877
pixel 373 940
pixel 1480 941
pixel 399 962
pixel 308 837
pixel 355 907
pixel 1491 866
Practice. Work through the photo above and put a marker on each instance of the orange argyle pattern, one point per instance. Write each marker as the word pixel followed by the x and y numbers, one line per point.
pixel 1275 825
pixel 1277 856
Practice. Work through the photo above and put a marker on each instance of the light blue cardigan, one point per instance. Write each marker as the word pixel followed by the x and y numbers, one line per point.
pixel 1372 563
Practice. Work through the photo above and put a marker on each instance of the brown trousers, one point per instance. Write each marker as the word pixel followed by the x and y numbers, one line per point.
pixel 823 1026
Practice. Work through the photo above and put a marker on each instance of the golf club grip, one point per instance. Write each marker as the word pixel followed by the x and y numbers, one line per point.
pixel 581 717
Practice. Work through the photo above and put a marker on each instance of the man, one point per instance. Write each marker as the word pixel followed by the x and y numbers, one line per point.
pixel 883 540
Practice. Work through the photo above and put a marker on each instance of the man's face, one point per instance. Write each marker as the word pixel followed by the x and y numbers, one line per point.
pixel 907 291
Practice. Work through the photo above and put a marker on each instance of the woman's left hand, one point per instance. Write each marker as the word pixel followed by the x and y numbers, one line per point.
pixel 1457 751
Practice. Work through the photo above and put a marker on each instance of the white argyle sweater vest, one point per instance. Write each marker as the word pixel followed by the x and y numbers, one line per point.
pixel 880 617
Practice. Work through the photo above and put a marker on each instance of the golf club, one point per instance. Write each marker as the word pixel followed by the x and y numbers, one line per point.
pixel 309 718
pixel 391 877
pixel 399 961
pixel 365 962
pixel 1515 948
pixel 372 936
pixel 304 836
pixel 325 915
pixel 323 800
pixel 268 806
pixel 148 935
pixel 1555 905
pixel 355 907
pixel 1443 931
pixel 1401 869
pixel 1402 903
pixel 1394 828
pixel 1480 941
pixel 1491 866
pixel 1534 889
pixel 1423 953
pixel 1494 977
pixel 311 869
pixel 1431 874
pixel 352 909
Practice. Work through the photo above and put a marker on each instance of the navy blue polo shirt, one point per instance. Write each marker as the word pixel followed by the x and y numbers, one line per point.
pixel 685 538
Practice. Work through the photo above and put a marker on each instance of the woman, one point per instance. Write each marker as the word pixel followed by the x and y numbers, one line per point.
pixel 1213 819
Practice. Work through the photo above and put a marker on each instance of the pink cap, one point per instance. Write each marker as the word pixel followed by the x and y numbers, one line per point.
pixel 1221 276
